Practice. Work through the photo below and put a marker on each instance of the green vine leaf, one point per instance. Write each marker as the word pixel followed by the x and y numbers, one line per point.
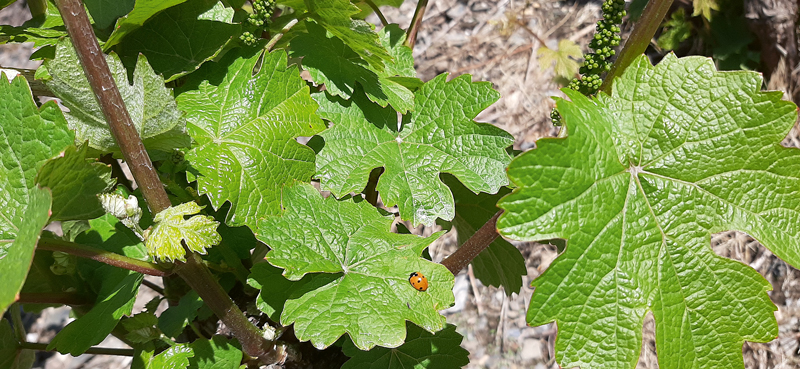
pixel 421 350
pixel 331 62
pixel 175 357
pixel 371 297
pixel 500 264
pixel 439 137
pixel 186 38
pixel 151 105
pixel 75 182
pixel 30 136
pixel 216 353
pixel 335 16
pixel 679 151
pixel 105 12
pixel 142 11
pixel 245 127
pixel 44 30
pixel 171 231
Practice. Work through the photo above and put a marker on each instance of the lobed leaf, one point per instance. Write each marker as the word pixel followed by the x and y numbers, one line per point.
pixel 150 104
pixel 217 353
pixel 679 151
pixel 439 137
pixel 172 230
pixel 30 137
pixel 370 297
pixel 245 123
pixel 142 11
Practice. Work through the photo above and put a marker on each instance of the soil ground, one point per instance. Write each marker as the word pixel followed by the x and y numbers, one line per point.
pixel 483 38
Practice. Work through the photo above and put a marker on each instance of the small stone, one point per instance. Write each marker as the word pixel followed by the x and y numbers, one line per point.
pixel 531 349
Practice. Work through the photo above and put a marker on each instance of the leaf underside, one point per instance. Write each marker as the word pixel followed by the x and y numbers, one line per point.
pixel 677 153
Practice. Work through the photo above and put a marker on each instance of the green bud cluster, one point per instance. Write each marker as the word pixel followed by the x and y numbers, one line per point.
pixel 248 38
pixel 262 12
pixel 605 39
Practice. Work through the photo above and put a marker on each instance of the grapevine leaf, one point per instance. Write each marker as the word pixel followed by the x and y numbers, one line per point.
pixel 644 177
pixel 11 355
pixel 141 327
pixel 75 183
pixel 245 127
pixel 105 12
pixel 186 39
pixel 500 264
pixel 172 231
pixel 439 137
pixel 276 289
pixel 175 318
pixel 44 30
pixel 150 104
pixel 371 297
pixel 142 11
pixel 331 62
pixel 116 290
pixel 216 353
pixel 564 58
pixel 175 357
pixel 420 350
pixel 335 16
pixel 29 136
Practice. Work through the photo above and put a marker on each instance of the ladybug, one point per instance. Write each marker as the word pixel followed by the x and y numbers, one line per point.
pixel 418 281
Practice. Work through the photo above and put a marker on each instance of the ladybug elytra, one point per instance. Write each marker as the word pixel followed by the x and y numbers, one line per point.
pixel 418 281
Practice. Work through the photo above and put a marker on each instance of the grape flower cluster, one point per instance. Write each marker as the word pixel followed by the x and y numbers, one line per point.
pixel 262 12
pixel 606 37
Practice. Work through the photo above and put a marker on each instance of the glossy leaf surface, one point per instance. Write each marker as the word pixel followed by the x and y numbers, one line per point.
pixel 644 177
pixel 439 136
pixel 245 127
pixel 421 350
pixel 30 137
pixel 371 298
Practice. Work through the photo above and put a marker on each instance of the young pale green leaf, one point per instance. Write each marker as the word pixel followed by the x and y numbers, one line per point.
pixel 172 230
pixel 186 39
pixel 30 137
pixel 245 127
pixel 331 62
pixel 150 104
pixel 175 318
pixel 75 183
pixel 216 353
pixel 421 350
pixel 644 177
pixel 439 137
pixel 500 264
pixel 565 58
pixel 142 11
pixel 175 357
pixel 335 16
pixel 704 7
pixel 105 12
pixel 116 288
pixel 675 30
pixel 11 355
pixel 371 297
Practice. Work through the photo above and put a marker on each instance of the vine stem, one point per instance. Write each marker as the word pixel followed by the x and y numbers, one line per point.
pixel 91 350
pixel 473 246
pixel 416 22
pixel 637 43
pixel 113 107
pixel 377 11
pixel 63 298
pixel 103 256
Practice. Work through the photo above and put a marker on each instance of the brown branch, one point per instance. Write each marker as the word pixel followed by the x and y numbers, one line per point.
pixel 416 23
pixel 103 256
pixel 105 91
pixel 637 43
pixel 473 246
pixel 122 128
pixel 91 350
